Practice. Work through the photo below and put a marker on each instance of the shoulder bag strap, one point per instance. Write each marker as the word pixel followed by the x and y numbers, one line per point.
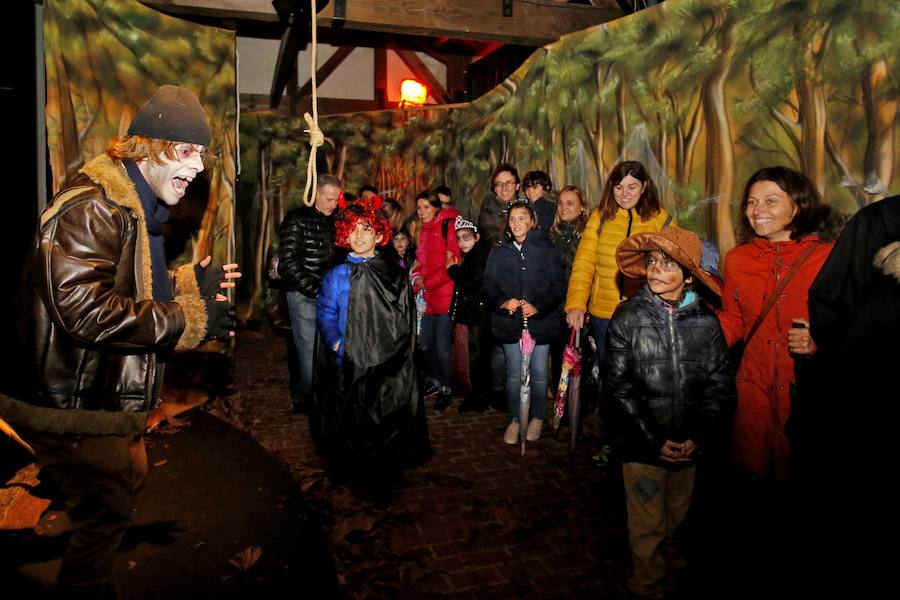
pixel 780 288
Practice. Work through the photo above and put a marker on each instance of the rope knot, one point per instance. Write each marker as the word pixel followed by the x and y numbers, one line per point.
pixel 316 137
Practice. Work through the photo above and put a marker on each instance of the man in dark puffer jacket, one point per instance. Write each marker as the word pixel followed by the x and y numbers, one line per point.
pixel 668 373
pixel 305 255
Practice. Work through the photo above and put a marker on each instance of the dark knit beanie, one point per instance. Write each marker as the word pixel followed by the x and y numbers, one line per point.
pixel 173 114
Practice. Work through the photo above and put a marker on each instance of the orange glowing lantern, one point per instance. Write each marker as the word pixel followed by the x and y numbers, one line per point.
pixel 412 93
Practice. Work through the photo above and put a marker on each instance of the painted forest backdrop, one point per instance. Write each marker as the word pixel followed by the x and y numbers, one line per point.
pixel 704 92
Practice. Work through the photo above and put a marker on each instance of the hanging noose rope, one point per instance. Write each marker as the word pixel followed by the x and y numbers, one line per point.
pixel 316 137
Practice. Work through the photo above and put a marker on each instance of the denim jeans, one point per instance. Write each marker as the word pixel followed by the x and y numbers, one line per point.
pixel 538 370
pixel 498 369
pixel 303 329
pixel 435 342
pixel 599 327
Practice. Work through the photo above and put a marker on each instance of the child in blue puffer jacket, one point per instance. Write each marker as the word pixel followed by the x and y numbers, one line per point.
pixel 368 419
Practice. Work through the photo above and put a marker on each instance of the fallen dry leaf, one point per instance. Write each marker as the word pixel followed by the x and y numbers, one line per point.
pixel 132 564
pixel 198 544
pixel 246 558
pixel 160 463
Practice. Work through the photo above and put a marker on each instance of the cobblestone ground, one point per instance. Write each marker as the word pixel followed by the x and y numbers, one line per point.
pixel 477 521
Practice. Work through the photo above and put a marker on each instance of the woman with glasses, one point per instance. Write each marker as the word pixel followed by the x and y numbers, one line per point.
pixel 505 184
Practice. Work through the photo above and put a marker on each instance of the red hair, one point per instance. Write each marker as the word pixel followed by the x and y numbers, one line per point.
pixel 360 209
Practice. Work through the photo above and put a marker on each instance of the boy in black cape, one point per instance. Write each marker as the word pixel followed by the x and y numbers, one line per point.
pixel 369 417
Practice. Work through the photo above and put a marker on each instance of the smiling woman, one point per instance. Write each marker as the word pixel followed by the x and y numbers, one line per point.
pixel 783 210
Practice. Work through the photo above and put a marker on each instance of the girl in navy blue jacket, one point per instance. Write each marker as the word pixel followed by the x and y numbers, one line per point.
pixel 524 281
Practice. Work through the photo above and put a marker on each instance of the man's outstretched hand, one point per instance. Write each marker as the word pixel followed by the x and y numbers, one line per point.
pixel 219 319
pixel 211 279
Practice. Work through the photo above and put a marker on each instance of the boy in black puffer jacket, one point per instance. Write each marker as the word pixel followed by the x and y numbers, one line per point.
pixel 667 370
pixel 467 310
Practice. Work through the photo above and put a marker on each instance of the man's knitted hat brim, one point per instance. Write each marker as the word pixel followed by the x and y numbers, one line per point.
pixel 173 114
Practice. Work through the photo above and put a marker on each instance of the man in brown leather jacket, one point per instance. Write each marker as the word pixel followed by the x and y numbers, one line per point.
pixel 101 314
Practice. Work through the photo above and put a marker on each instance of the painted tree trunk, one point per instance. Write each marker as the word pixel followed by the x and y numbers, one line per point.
pixel 719 145
pixel 881 114
pixel 813 117
pixel 621 119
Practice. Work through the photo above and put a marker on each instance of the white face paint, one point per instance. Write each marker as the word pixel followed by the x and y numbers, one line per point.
pixel 466 239
pixel 664 276
pixel 170 178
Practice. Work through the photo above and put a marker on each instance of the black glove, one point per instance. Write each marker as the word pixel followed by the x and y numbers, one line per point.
pixel 219 322
pixel 209 279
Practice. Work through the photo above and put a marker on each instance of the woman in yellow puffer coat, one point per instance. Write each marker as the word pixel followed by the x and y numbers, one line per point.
pixel 630 204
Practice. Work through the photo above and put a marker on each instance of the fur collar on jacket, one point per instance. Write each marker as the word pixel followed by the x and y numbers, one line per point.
pixel 887 260
pixel 119 189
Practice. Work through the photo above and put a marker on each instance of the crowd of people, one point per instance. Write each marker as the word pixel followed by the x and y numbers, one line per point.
pixel 389 310
pixel 697 360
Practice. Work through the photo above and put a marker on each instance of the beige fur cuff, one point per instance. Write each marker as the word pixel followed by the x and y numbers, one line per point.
pixel 888 260
pixel 195 320
pixel 186 280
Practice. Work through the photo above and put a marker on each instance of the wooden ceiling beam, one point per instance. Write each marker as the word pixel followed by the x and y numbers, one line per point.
pixel 531 24
pixel 326 69
pixel 251 10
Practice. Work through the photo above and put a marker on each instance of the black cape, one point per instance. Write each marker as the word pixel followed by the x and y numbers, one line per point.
pixel 844 420
pixel 368 413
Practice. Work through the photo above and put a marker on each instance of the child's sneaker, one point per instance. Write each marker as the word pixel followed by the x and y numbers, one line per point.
pixel 602 460
pixel 444 399
pixel 534 430
pixel 431 388
pixel 512 433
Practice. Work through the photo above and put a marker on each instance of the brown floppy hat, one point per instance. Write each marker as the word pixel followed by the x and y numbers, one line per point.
pixel 682 245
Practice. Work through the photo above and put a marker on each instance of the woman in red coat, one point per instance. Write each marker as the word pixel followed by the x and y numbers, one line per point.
pixel 437 240
pixel 787 218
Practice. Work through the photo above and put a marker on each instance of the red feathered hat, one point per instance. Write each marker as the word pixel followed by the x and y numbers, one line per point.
pixel 360 209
